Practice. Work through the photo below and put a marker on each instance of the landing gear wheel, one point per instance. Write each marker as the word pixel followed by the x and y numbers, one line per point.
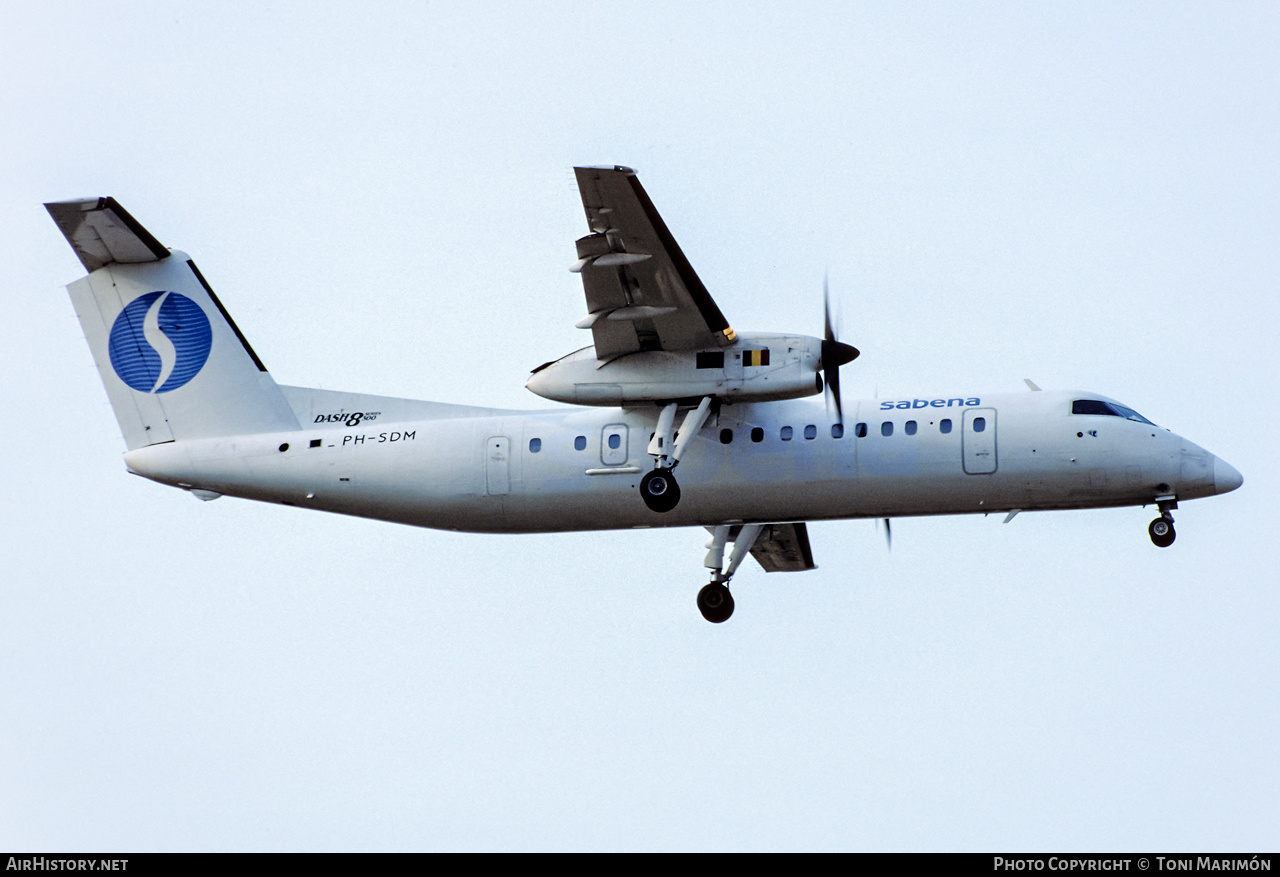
pixel 1161 532
pixel 715 602
pixel 659 490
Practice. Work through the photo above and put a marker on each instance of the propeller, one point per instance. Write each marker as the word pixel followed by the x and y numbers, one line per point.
pixel 834 353
pixel 888 532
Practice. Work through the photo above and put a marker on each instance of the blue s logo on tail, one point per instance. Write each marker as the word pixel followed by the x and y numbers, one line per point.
pixel 159 342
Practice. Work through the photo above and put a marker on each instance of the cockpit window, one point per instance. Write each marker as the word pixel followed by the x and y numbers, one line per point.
pixel 1097 406
pixel 1130 414
pixel 1090 406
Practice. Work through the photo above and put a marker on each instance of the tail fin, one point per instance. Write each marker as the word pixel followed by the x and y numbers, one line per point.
pixel 174 364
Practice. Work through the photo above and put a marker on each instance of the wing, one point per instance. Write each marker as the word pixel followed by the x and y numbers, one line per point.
pixel 642 293
pixel 779 547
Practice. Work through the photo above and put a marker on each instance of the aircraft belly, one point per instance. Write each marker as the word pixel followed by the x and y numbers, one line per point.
pixel 735 491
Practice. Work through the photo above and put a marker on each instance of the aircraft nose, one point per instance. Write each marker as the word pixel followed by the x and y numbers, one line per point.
pixel 1225 477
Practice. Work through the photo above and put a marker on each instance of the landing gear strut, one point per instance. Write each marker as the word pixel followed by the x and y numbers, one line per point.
pixel 714 600
pixel 1161 529
pixel 658 488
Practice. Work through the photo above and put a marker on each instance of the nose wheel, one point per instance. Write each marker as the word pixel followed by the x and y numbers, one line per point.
pixel 1161 529
pixel 1162 532
pixel 715 603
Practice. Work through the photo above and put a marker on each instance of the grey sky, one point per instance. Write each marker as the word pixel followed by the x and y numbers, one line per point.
pixel 1083 194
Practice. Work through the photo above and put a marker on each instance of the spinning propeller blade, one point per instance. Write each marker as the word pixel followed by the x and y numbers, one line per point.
pixel 834 353
pixel 888 532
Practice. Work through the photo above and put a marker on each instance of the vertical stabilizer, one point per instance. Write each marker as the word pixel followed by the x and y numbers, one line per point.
pixel 173 362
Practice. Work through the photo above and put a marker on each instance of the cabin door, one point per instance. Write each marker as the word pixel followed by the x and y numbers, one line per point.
pixel 613 445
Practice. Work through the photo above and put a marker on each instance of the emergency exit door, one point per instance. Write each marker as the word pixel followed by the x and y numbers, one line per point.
pixel 979 440
pixel 497 465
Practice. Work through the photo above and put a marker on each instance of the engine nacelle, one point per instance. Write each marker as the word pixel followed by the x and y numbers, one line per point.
pixel 756 368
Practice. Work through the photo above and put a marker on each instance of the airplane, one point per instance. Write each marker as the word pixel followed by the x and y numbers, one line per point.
pixel 756 455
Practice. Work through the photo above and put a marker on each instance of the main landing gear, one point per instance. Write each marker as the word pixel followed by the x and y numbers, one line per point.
pixel 715 603
pixel 658 488
pixel 714 600
pixel 1161 529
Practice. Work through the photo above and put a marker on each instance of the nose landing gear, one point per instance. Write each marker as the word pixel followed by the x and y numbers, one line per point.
pixel 1162 532
pixel 1161 529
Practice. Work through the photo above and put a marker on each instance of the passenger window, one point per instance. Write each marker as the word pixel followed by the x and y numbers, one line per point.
pixel 911 427
pixel 785 434
pixel 979 424
pixel 811 432
pixel 886 428
pixel 944 427
pixel 757 434
pixel 837 430
pixel 615 441
pixel 860 430
pixel 535 445
pixel 580 443
pixel 726 436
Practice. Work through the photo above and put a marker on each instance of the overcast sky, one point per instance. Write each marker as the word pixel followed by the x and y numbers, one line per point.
pixel 1084 194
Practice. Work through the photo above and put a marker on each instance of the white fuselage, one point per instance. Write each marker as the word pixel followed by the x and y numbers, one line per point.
pixel 578 468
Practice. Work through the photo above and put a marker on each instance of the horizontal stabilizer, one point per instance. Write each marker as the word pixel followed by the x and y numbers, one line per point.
pixel 102 232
